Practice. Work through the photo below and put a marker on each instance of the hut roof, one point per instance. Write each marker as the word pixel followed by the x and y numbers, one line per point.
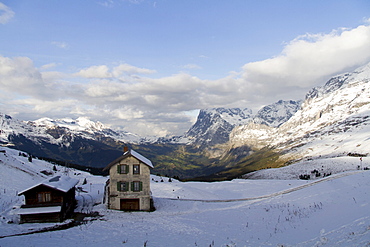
pixel 61 183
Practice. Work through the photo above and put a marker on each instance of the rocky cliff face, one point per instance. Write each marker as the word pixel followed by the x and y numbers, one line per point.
pixel 278 113
pixel 213 126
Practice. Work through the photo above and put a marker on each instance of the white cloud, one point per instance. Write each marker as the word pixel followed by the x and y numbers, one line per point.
pixel 134 1
pixel 308 59
pixel 108 3
pixel 62 45
pixel 5 14
pixel 48 66
pixel 121 71
pixel 129 69
pixel 102 89
pixel 100 71
pixel 127 113
pixel 41 107
pixel 52 76
pixel 19 74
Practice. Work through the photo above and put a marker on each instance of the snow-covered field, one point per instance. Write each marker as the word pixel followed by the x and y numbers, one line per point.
pixel 330 211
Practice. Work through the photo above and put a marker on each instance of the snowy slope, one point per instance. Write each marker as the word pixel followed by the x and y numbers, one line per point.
pixel 277 113
pixel 350 99
pixel 334 120
pixel 232 213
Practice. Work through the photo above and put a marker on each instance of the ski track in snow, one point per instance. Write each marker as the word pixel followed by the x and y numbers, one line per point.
pixel 273 194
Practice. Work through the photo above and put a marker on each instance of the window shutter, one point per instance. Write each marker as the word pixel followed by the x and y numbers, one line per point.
pixel 126 169
pixel 132 186
pixel 119 186
pixel 141 186
pixel 118 169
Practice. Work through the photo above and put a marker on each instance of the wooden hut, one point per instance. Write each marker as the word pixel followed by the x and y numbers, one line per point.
pixel 52 200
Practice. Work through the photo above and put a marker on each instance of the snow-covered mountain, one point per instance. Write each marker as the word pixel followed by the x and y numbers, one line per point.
pixel 86 127
pixel 278 113
pixel 334 120
pixel 213 126
pixel 60 131
pixel 79 141
pixel 79 124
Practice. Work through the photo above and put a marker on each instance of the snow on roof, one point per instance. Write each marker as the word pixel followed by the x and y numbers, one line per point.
pixel 130 153
pixel 141 158
pixel 40 210
pixel 61 183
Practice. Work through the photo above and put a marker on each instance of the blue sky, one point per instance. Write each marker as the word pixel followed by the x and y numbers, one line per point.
pixel 148 66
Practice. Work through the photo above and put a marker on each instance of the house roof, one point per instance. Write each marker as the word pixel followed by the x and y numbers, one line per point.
pixel 129 153
pixel 61 183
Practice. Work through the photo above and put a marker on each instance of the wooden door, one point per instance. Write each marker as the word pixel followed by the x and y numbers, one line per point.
pixel 130 204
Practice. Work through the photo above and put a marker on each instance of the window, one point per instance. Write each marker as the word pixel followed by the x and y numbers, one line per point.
pixel 136 169
pixel 122 186
pixel 137 186
pixel 122 169
pixel 44 197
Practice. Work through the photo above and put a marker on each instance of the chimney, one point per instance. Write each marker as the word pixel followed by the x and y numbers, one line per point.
pixel 125 149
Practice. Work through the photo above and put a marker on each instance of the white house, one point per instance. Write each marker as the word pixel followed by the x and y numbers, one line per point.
pixel 128 188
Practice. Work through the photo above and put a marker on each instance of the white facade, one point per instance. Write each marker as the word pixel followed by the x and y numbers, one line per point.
pixel 129 184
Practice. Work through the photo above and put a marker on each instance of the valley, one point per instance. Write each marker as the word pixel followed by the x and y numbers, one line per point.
pixel 223 144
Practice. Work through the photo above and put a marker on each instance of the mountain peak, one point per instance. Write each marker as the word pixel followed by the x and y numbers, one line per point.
pixel 79 124
pixel 214 125
pixel 278 113
pixel 337 82
pixel 234 116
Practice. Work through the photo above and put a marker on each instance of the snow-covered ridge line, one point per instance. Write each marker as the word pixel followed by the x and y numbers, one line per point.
pixel 60 131
pixel 79 124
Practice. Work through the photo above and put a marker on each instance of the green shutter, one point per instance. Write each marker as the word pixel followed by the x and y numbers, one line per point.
pixel 132 186
pixel 127 169
pixel 118 169
pixel 119 186
pixel 141 186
